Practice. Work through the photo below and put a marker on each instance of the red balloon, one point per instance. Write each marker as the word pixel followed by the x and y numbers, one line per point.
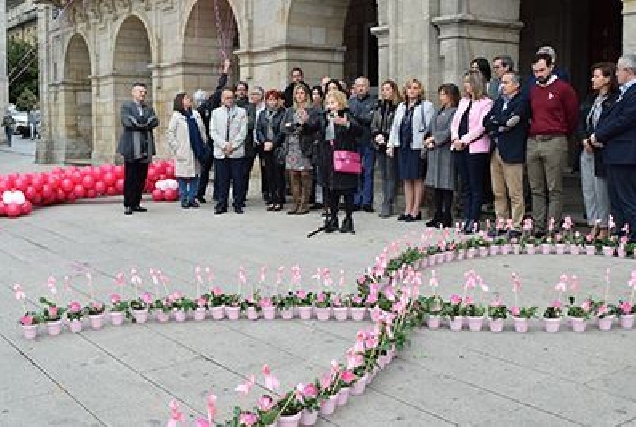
pixel 170 194
pixel 152 174
pixel 26 208
pixel 109 178
pixel 157 195
pixel 47 191
pixel 119 172
pixel 97 173
pixel 60 195
pixel 30 193
pixel 13 210
pixel 3 211
pixel 37 182
pixel 119 185
pixel 67 185
pixel 76 177
pixel 162 177
pixel 79 192
pixel 20 184
pixel 4 186
pixel 88 182
pixel 54 182
pixel 70 197
pixel 100 188
pixel 149 186
pixel 91 194
pixel 111 191
pixel 160 167
pixel 37 200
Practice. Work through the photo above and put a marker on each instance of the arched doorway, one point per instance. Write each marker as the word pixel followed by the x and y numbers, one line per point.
pixel 131 63
pixel 76 93
pixel 211 34
pixel 361 55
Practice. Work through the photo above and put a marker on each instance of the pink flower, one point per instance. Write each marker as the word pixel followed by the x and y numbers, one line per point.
pixel 74 307
pixel 495 303
pixel 97 305
pixel 602 310
pixel 217 291
pixel 372 298
pixel 626 307
pixel 556 304
pixel 371 342
pixel 115 298
pixel 271 382
pixel 516 311
pixel 146 298
pixel 27 320
pixel 201 302
pixel 265 403
pixel 361 280
pixel 357 299
pixel 244 389
pixel 337 302
pixel 589 238
pixel 310 391
pixel 53 311
pixel 455 299
pixel 265 302
pixel 469 300
pixel 248 418
pixel 347 376
pixel 211 404
pixel 325 381
pixel 175 414
pixel 321 297
pixel 301 294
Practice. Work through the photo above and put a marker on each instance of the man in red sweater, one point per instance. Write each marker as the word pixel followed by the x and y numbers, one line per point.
pixel 554 108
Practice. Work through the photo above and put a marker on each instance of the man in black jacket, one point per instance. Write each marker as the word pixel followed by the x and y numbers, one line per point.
pixel 507 125
pixel 361 107
pixel 296 78
pixel 205 110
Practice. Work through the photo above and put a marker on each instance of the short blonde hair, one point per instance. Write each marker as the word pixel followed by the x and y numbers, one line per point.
pixel 410 82
pixel 477 83
pixel 339 97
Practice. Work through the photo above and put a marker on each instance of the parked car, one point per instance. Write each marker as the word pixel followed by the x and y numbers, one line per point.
pixel 21 126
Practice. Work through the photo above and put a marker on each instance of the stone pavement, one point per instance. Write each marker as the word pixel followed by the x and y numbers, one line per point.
pixel 125 376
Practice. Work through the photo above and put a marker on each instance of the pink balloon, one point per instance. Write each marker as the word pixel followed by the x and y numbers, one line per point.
pixel 26 208
pixel 157 195
pixel 170 195
pixel 4 186
pixel 152 174
pixel 20 184
pixel 54 182
pixel 37 200
pixel 76 177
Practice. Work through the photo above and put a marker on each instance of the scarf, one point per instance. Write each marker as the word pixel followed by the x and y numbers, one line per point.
pixel 196 142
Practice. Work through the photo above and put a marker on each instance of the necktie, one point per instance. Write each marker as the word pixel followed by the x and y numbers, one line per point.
pixel 227 129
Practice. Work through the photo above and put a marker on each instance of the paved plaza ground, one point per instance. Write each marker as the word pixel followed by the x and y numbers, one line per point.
pixel 125 376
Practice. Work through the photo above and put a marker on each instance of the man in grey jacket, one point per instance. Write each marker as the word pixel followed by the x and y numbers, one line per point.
pixel 362 106
pixel 137 146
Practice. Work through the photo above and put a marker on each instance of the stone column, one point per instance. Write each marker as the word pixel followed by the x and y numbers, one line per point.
pixel 44 149
pixel 629 26
pixel 4 82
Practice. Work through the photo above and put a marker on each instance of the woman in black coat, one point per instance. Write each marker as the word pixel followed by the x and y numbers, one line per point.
pixel 340 132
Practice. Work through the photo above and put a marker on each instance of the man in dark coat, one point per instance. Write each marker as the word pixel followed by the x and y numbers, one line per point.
pixel 137 146
pixel 616 132
pixel 296 78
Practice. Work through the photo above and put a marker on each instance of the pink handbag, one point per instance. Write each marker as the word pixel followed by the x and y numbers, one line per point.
pixel 346 162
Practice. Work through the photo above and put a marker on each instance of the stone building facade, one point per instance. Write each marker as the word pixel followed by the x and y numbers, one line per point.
pixel 21 21
pixel 91 54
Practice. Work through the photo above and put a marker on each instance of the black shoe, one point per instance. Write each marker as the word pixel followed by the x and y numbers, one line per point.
pixel 315 206
pixel 270 208
pixel 356 208
pixel 368 208
pixel 128 211
pixel 278 208
pixel 331 224
pixel 139 209
pixel 185 205
pixel 194 204
pixel 409 218
pixel 403 217
pixel 417 217
pixel 435 222
pixel 539 234
pixel 219 210
pixel 201 199
pixel 347 226
pixel 239 210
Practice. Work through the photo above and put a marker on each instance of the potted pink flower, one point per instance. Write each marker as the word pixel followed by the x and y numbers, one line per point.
pixel 233 306
pixel 358 307
pixel 455 312
pixel 579 314
pixel 217 303
pixel 303 303
pixel 590 248
pixel 268 308
pixel 311 404
pixel 52 315
pixel 626 314
pixel 286 304
pixel 346 379
pixel 521 317
pixel 251 306
pixel 323 306
pixel 267 410
pixel 95 311
pixel 552 316
pixel 290 409
pixel 74 314
pixel 329 391
pixel 340 309
pixel 119 309
pixel 474 313
pixel 606 314
pixel 29 323
pixel 161 308
pixel 140 307
pixel 201 307
pixel 497 314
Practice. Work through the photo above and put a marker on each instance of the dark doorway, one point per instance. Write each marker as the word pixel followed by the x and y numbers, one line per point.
pixel 361 56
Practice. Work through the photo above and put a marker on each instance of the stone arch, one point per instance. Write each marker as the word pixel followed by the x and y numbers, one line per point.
pixel 77 99
pixel 204 44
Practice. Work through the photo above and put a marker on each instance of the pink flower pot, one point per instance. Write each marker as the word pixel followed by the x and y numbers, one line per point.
pixel 578 324
pixel 440 258
pixel 309 418
pixel 546 249
pixel 97 320
pixel 552 325
pixel 357 313
pixel 494 250
pixel 560 248
pixel 433 322
pixel 141 316
pixel 431 260
pixel 461 255
pixel 383 360
pixel 180 315
pixel 449 256
pixel 328 406
pixel 269 313
pixel 29 331
pixel 289 420
pixel 162 316
pixel 218 313
pixel 359 386
pixel 506 249
pixel 470 253
pixel 417 264
pixel 475 323
pixel 323 313
pixel 199 313
pixel 252 313
pixel 590 250
pixel 496 325
pixel 343 396
pixel 627 321
pixel 117 318
pixel 521 324
pixel 340 313
pixel 75 326
pixel 608 251
pixel 54 328
pixel 305 312
pixel 232 313
pixel 516 249
pixel 483 252
pixel 456 323
pixel 621 253
pixel 605 324
pixel 574 249
pixel 287 314
pixel 531 249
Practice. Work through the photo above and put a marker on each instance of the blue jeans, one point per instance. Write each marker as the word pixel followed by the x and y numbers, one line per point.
pixel 364 194
pixel 188 188
pixel 8 131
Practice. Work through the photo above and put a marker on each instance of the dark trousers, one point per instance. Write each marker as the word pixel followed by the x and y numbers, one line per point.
pixel 204 178
pixel 274 176
pixel 334 201
pixel 264 176
pixel 471 169
pixel 621 187
pixel 228 171
pixel 248 165
pixel 443 203
pixel 135 174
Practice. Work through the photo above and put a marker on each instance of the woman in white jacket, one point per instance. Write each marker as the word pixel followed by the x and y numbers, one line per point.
pixel 409 129
pixel 186 136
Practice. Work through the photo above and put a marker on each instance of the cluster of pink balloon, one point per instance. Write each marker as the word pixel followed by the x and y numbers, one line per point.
pixel 20 192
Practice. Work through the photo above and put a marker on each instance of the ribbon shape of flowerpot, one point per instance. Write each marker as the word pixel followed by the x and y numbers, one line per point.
pixel 97 320
pixel 627 321
pixel 117 318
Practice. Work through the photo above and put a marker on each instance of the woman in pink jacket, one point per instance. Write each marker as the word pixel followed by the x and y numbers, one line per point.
pixel 471 146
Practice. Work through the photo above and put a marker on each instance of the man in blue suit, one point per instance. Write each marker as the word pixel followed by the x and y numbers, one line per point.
pixel 616 132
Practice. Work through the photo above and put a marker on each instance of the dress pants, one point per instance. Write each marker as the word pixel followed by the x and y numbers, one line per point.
pixel 204 179
pixel 135 174
pixel 621 180
pixel 507 180
pixel 595 195
pixel 230 171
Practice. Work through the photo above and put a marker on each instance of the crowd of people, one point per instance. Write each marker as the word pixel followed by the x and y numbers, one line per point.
pixel 322 143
